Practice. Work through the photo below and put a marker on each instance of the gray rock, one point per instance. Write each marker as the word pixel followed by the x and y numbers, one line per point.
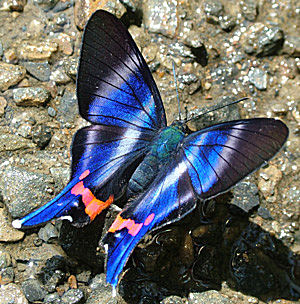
pixel 23 190
pixel 71 67
pixel 12 142
pixel 73 296
pixel 53 298
pixel 31 96
pixel 291 46
pixel 59 75
pixel 249 9
pixel 264 213
pixel 245 196
pixel 68 108
pixel 12 293
pixel 5 259
pixel 258 77
pixel 213 8
pixel 84 276
pixel 7 275
pixel 41 135
pixel 101 292
pixel 51 112
pixel 211 297
pixel 48 233
pixel 33 290
pixel 45 5
pixel 63 5
pixel 10 75
pixel 39 70
pixel 160 16
pixel 227 23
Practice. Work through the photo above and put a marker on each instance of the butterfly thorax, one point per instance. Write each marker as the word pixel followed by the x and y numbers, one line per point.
pixel 161 151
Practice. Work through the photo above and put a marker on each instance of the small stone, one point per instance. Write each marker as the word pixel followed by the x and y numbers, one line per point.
pixel 213 9
pixel 71 67
pixel 291 46
pixel 258 77
pixel 10 56
pixel 45 5
pixel 5 259
pixel 37 51
pixel 33 290
pixel 227 23
pixel 7 232
pixel 31 96
pixel 67 109
pixel 63 5
pixel 3 104
pixel 39 70
pixel 48 233
pixel 264 213
pixel 270 177
pixel 173 300
pixel 160 16
pixel 249 9
pixel 7 275
pixel 41 135
pixel 22 190
pixel 1 49
pixel 73 296
pixel 10 75
pixel 12 142
pixel 25 130
pixel 12 293
pixel 53 298
pixel 51 112
pixel 211 297
pixel 35 27
pixel 65 43
pixel 84 8
pixel 59 75
pixel 84 276
pixel 14 5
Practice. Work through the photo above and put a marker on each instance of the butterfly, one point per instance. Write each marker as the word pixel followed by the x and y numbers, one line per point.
pixel 128 149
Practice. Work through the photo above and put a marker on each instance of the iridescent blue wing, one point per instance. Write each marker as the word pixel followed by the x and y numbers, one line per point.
pixel 117 93
pixel 115 86
pixel 207 163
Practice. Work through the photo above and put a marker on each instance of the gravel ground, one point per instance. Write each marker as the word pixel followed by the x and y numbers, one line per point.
pixel 244 246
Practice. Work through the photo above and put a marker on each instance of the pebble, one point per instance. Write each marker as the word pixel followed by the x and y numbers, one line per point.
pixel 37 50
pixel 245 196
pixel 53 298
pixel 10 75
pixel 161 16
pixel 39 70
pixel 63 5
pixel 65 43
pixel 3 104
pixel 84 8
pixel 67 109
pixel 173 300
pixel 7 275
pixel 33 290
pixel 31 96
pixel 291 46
pixel 48 233
pixel 249 9
pixel 12 293
pixel 227 23
pixel 7 232
pixel 12 142
pixel 45 5
pixel 51 112
pixel 5 259
pixel 10 56
pixel 59 75
pixel 211 297
pixel 73 296
pixel 41 135
pixel 259 78
pixel 71 67
pixel 14 5
pixel 23 190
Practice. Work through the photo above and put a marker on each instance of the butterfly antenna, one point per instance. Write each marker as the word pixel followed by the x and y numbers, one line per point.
pixel 218 108
pixel 175 81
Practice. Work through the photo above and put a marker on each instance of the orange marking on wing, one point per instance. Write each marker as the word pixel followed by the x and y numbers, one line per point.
pixel 93 206
pixel 131 225
pixel 84 174
pixel 149 219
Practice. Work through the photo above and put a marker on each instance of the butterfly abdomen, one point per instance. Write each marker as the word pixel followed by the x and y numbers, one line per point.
pixel 163 147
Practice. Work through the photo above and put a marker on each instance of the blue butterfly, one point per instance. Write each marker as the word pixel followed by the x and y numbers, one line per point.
pixel 129 150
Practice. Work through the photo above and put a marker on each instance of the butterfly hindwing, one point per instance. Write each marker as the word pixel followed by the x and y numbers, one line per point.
pixel 207 163
pixel 115 86
pixel 116 92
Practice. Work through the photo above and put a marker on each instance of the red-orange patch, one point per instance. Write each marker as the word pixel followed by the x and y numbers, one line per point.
pixel 93 206
pixel 149 219
pixel 84 174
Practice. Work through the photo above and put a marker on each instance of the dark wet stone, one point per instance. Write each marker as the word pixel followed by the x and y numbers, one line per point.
pixel 73 296
pixel 249 9
pixel 245 196
pixel 160 16
pixel 23 190
pixel 53 298
pixel 67 109
pixel 227 23
pixel 31 96
pixel 33 290
pixel 264 213
pixel 48 233
pixel 51 112
pixel 41 135
pixel 259 78
pixel 173 300
pixel 39 70
pixel 10 75
pixel 45 5
pixel 211 297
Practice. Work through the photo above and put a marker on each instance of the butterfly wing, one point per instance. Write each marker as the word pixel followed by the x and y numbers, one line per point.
pixel 207 163
pixel 116 92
